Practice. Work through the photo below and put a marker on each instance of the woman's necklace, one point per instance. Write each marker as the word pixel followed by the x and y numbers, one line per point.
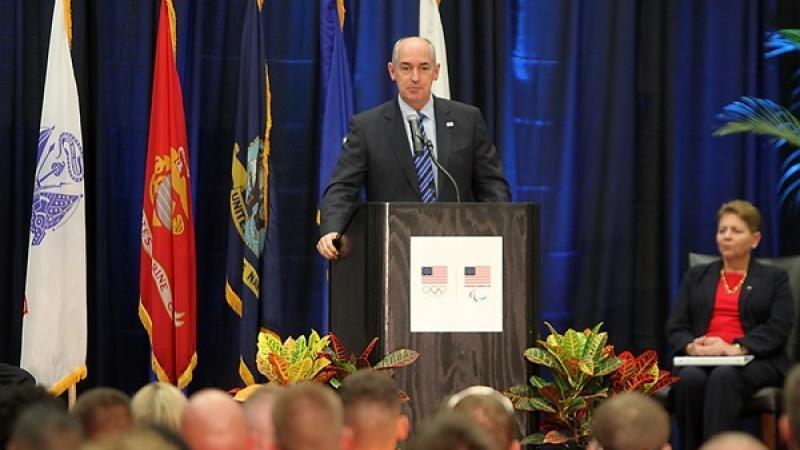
pixel 725 283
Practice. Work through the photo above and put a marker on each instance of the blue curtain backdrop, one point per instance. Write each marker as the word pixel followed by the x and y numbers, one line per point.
pixel 603 111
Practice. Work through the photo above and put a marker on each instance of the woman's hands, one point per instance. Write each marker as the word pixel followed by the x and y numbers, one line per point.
pixel 712 346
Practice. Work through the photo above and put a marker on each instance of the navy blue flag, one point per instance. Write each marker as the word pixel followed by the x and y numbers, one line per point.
pixel 337 107
pixel 337 88
pixel 252 287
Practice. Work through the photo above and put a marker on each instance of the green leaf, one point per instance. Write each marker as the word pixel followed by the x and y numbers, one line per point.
pixel 538 382
pixel 540 356
pixel 760 116
pixel 607 366
pixel 533 439
pixel 398 358
pixel 573 344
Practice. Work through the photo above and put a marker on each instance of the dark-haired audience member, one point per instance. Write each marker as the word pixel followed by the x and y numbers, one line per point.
pixel 14 375
pixel 45 426
pixel 733 440
pixel 492 411
pixel 103 412
pixel 373 411
pixel 159 404
pixel 14 399
pixel 214 421
pixel 450 431
pixel 789 423
pixel 258 411
pixel 630 421
pixel 308 416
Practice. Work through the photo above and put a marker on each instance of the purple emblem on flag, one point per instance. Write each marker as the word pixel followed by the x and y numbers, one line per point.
pixel 477 276
pixel 434 275
pixel 53 198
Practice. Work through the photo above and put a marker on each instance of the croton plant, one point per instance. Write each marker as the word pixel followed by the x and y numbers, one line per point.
pixel 584 371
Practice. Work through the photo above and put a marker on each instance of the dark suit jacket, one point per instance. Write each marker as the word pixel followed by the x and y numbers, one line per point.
pixel 765 308
pixel 376 155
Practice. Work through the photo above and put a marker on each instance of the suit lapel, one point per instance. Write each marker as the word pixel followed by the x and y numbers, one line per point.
pixel 399 143
pixel 444 133
pixel 708 290
pixel 751 283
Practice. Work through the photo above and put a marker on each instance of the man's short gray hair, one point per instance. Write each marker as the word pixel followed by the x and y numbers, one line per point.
pixel 396 47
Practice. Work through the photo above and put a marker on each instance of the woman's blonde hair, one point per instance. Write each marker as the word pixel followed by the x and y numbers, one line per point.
pixel 744 210
pixel 159 403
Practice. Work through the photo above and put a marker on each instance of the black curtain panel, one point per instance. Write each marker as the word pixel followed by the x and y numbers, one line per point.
pixel 603 112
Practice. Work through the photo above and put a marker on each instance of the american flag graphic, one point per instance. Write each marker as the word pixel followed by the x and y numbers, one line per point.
pixel 434 275
pixel 477 276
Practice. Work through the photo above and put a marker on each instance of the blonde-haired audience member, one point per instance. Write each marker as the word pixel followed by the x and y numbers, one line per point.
pixel 308 416
pixel 490 410
pixel 630 421
pixel 103 412
pixel 160 404
pixel 733 440
pixel 214 421
pixel 258 411
pixel 143 437
pixel 373 411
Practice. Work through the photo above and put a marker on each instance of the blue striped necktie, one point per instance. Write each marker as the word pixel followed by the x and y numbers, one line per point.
pixel 424 165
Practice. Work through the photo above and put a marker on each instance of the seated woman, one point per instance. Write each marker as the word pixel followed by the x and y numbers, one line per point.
pixel 734 306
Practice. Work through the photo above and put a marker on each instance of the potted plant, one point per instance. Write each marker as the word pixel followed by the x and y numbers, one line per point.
pixel 292 360
pixel 585 371
pixel 344 363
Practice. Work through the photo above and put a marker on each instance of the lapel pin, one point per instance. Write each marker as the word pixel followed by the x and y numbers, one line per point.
pixel 449 124
pixel 749 288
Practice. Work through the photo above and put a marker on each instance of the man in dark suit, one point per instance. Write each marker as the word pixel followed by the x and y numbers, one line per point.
pixel 378 152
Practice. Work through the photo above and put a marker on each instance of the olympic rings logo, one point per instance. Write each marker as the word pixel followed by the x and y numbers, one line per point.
pixel 435 290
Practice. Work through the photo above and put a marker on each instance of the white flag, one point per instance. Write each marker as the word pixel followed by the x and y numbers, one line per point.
pixel 54 316
pixel 430 27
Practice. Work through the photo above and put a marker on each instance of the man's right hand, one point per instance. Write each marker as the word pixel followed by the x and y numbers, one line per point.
pixel 326 248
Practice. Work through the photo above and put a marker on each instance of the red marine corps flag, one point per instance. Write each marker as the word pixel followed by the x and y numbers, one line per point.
pixel 167 271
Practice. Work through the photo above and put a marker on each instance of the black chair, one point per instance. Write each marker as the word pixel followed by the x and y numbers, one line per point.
pixel 767 403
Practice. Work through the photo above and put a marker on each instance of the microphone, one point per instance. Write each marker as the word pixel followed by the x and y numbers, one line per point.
pixel 444 171
pixel 416 136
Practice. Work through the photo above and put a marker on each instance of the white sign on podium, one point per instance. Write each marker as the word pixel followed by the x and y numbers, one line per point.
pixel 456 284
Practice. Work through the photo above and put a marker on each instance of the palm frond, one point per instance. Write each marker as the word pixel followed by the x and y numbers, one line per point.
pixel 782 41
pixel 760 116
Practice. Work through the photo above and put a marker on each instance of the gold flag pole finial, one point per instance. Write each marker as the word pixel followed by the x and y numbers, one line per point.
pixel 260 4
pixel 173 31
pixel 340 8
pixel 68 21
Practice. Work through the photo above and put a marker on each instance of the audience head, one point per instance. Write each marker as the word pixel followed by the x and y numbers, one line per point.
pixel 450 431
pixel 14 399
pixel 492 411
pixel 733 440
pixel 143 437
pixel 103 412
pixel 258 411
pixel 159 403
pixel 790 420
pixel 214 421
pixel 46 426
pixel 630 421
pixel 308 416
pixel 373 410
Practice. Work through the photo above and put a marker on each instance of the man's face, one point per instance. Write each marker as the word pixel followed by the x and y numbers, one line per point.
pixel 414 72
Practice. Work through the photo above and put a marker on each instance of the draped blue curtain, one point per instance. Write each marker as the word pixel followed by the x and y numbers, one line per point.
pixel 603 111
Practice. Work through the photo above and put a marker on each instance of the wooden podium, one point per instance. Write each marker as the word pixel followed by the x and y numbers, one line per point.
pixel 369 295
